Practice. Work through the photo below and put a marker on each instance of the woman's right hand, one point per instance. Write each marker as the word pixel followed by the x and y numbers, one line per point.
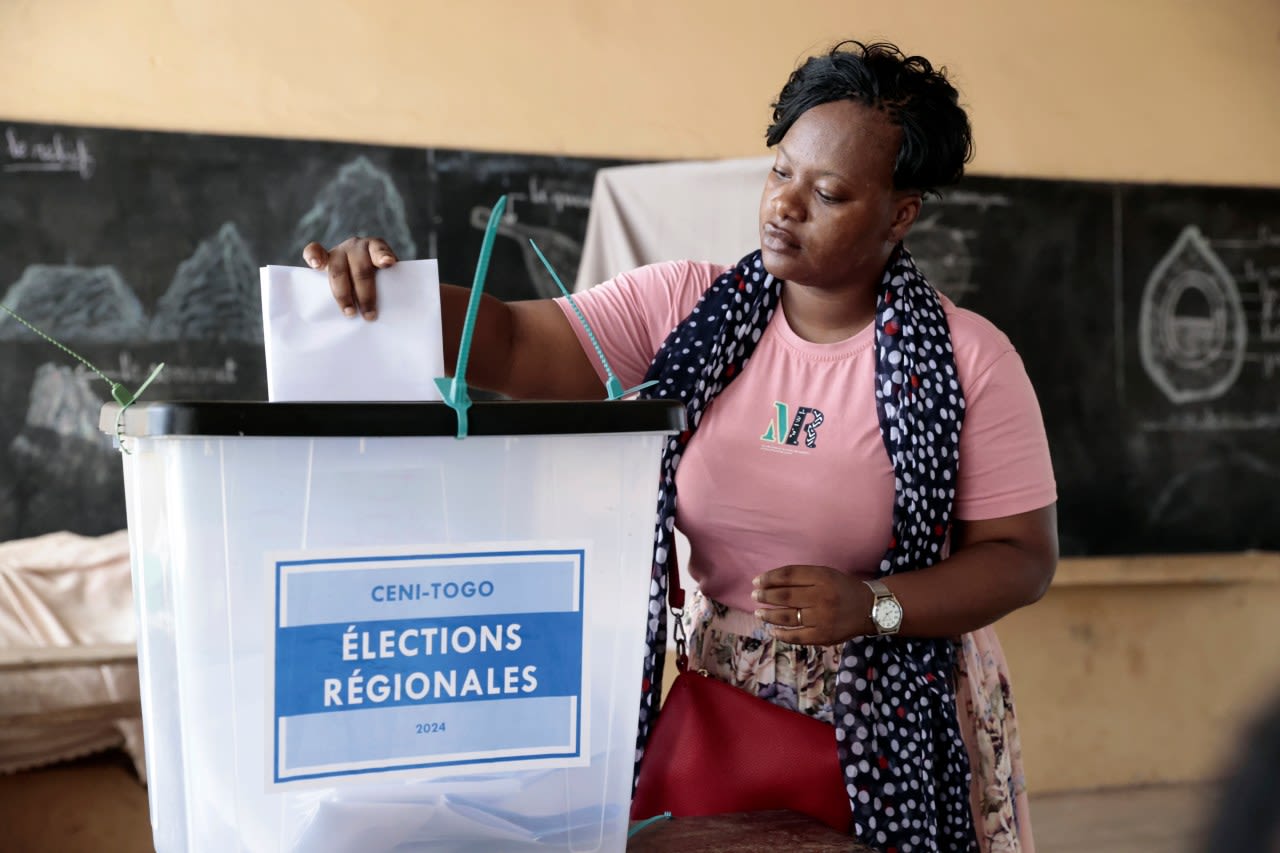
pixel 527 349
pixel 352 265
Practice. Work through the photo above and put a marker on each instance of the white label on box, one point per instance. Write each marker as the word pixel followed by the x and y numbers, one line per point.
pixel 417 659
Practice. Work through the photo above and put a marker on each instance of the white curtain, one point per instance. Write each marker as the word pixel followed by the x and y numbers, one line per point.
pixel 698 211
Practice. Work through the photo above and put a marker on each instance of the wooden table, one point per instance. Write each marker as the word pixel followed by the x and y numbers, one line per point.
pixel 749 832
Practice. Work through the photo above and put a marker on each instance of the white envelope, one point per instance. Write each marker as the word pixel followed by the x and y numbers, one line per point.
pixel 316 353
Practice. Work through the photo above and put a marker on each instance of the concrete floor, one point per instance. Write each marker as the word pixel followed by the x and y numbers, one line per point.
pixel 1167 819
pixel 97 806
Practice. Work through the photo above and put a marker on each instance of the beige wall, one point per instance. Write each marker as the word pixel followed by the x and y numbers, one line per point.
pixel 1143 670
pixel 1146 90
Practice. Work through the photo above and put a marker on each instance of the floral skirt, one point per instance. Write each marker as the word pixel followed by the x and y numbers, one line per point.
pixel 736 647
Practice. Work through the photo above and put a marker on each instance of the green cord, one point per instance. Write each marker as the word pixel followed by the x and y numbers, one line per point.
pixel 642 824
pixel 119 393
pixel 68 351
pixel 454 391
pixel 613 386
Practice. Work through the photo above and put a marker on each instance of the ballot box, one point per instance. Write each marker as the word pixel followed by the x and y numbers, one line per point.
pixel 358 632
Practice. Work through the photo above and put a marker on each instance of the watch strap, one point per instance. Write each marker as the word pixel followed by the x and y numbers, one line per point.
pixel 879 589
pixel 881 593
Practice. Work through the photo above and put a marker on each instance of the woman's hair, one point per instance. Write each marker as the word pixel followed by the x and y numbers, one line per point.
pixel 936 138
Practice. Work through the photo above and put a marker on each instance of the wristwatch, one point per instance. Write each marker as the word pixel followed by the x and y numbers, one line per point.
pixel 886 611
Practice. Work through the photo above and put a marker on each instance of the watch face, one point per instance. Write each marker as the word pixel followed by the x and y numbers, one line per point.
pixel 887 614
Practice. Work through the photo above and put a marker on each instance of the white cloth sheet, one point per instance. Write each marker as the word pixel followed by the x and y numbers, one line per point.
pixel 695 211
pixel 61 589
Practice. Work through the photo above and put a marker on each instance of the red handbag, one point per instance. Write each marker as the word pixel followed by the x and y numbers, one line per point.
pixel 716 749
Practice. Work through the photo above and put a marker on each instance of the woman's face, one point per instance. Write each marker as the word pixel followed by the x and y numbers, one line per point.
pixel 829 216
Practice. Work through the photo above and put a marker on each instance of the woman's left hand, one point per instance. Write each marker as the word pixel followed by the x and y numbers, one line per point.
pixel 813 605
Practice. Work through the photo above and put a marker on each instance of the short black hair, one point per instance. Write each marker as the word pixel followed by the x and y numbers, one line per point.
pixel 936 137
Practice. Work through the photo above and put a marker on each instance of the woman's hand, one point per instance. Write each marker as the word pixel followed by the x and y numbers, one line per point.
pixel 996 566
pixel 813 605
pixel 352 265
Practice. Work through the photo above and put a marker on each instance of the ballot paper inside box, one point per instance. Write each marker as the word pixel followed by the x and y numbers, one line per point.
pixel 360 632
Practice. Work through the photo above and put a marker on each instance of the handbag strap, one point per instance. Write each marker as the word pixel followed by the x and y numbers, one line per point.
pixel 675 602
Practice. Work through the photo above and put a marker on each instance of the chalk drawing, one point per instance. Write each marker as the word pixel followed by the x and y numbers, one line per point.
pixel 65 472
pixel 1191 325
pixel 943 251
pixel 943 254
pixel 360 200
pixel 73 304
pixel 62 402
pixel 214 294
pixel 563 252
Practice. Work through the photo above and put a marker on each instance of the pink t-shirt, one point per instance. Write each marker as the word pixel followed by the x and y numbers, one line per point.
pixel 750 501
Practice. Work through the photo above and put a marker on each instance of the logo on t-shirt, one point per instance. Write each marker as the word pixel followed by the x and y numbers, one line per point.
pixel 784 429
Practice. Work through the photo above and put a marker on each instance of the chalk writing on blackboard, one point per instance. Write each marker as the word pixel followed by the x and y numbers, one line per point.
pixel 54 154
pixel 1265 291
pixel 128 369
pixel 563 252
pixel 1264 238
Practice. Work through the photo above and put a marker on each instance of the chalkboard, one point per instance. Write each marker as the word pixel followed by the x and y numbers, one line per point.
pixel 1148 316
pixel 1201 366
pixel 1149 321
pixel 137 247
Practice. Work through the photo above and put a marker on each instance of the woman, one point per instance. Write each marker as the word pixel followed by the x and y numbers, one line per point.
pixel 875 484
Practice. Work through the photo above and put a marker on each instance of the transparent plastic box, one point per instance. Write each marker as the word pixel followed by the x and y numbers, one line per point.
pixel 360 633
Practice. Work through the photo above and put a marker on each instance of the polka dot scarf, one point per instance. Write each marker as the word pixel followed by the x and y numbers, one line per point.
pixel 906 769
